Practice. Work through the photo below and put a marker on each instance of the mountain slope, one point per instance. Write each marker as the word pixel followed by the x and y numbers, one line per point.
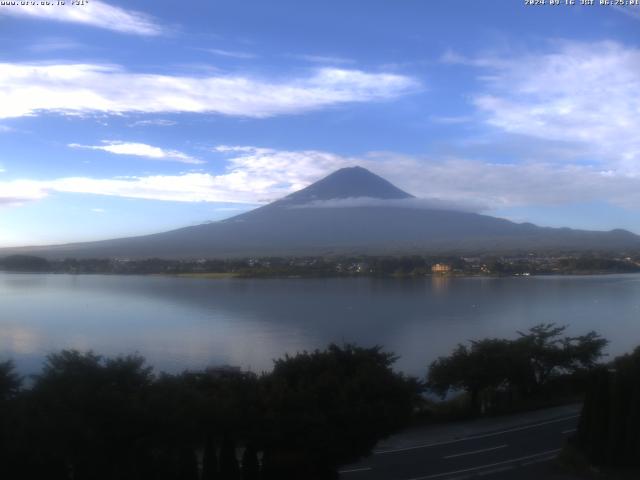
pixel 387 221
pixel 354 182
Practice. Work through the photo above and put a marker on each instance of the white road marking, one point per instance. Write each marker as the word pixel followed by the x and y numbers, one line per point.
pixel 354 470
pixel 455 455
pixel 475 437
pixel 493 470
pixel 491 465
pixel 571 430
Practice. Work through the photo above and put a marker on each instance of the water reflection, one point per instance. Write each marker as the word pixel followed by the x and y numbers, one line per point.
pixel 19 340
pixel 188 323
pixel 440 284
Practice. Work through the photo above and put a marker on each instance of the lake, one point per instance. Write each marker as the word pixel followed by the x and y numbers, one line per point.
pixel 179 323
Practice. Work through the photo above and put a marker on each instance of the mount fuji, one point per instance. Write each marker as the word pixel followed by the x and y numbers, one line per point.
pixel 351 211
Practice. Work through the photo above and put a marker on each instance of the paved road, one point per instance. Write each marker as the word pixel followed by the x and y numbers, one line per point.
pixel 489 454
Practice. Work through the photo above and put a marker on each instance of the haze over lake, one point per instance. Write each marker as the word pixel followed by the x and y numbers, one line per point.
pixel 179 323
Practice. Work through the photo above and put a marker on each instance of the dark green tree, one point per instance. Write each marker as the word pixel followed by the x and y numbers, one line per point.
pixel 24 263
pixel 609 428
pixel 89 413
pixel 10 432
pixel 523 366
pixel 250 464
pixel 210 460
pixel 188 464
pixel 10 381
pixel 327 408
pixel 89 417
pixel 229 467
pixel 485 364
pixel 549 353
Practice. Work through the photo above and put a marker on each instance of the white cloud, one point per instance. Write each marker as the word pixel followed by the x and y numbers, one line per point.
pixel 472 184
pixel 582 93
pixel 256 175
pixel 280 172
pixel 141 150
pixel 496 185
pixel 30 89
pixel 629 10
pixel 94 13
pixel 230 53
pixel 17 192
pixel 415 203
pixel 156 122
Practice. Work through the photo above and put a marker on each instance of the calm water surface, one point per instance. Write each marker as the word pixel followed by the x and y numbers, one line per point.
pixel 180 323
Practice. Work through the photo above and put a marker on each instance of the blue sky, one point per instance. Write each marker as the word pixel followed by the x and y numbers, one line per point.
pixel 123 118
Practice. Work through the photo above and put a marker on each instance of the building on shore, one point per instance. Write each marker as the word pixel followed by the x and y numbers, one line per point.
pixel 441 268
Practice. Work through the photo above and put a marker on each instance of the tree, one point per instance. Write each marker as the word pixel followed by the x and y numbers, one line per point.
pixel 524 365
pixel 229 468
pixel 250 464
pixel 548 353
pixel 485 364
pixel 327 408
pixel 10 381
pixel 89 412
pixel 10 434
pixel 609 428
pixel 210 460
pixel 90 417
pixel 226 408
pixel 584 351
pixel 187 464
pixel 24 263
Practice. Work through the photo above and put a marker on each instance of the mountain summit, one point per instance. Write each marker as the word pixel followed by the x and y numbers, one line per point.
pixel 347 182
pixel 308 222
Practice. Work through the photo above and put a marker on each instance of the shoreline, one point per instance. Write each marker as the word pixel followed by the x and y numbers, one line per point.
pixel 239 275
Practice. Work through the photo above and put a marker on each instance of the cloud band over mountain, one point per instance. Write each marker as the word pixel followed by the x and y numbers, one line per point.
pixel 259 175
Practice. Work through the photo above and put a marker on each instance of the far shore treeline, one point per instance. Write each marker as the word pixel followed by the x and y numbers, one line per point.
pixel 89 417
pixel 336 266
